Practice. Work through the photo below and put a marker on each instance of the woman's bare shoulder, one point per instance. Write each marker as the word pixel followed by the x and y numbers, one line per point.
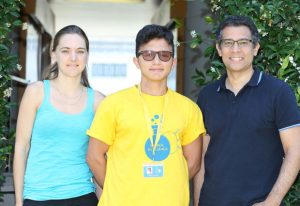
pixel 35 92
pixel 98 99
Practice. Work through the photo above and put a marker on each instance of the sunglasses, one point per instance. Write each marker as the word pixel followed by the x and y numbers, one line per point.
pixel 149 55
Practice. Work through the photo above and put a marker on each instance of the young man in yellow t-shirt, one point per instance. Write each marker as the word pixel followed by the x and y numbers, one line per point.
pixel 146 140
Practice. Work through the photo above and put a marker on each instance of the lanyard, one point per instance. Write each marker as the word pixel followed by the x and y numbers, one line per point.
pixel 154 141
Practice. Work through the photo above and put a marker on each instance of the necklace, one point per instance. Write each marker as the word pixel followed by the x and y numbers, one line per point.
pixel 74 100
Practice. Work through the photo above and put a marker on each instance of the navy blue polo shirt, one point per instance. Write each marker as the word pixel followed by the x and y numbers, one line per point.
pixel 245 153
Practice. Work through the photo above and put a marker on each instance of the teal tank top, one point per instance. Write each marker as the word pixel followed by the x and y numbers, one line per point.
pixel 56 166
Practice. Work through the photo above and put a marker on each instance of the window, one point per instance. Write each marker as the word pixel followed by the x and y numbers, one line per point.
pixel 109 70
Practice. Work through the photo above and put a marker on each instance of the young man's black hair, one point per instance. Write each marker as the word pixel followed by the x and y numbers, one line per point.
pixel 153 31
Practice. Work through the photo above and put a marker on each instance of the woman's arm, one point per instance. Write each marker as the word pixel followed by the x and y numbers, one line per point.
pixel 31 100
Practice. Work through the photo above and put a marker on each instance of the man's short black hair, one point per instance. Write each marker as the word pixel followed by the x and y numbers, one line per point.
pixel 153 31
pixel 238 21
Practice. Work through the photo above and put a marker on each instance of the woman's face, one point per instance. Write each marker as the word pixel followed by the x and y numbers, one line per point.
pixel 71 55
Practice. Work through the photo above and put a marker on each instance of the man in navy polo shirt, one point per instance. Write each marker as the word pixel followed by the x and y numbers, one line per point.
pixel 253 121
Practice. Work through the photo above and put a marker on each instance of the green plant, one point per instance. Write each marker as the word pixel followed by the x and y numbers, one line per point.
pixel 278 22
pixel 10 12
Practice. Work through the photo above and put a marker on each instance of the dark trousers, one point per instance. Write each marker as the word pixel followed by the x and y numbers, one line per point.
pixel 85 200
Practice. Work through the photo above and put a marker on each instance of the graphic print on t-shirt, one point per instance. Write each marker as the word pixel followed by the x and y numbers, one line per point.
pixel 157 151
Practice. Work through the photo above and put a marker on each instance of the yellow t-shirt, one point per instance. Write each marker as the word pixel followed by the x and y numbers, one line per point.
pixel 138 173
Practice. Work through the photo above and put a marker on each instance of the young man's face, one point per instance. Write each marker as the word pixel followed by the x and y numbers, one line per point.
pixel 157 69
pixel 239 55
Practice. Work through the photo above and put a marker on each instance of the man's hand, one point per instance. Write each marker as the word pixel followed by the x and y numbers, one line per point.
pixel 259 204
pixel 266 203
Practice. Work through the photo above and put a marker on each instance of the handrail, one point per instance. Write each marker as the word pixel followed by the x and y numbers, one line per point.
pixel 20 80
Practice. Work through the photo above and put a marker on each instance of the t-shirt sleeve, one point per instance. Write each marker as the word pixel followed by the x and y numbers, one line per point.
pixel 103 125
pixel 194 125
pixel 287 113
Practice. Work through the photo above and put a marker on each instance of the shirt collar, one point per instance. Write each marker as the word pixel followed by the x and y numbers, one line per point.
pixel 254 81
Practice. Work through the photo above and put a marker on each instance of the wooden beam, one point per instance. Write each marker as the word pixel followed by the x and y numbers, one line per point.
pixel 178 11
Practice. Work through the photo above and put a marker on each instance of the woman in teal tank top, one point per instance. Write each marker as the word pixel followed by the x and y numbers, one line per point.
pixel 51 143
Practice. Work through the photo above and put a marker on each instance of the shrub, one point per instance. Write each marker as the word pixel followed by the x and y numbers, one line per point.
pixel 9 19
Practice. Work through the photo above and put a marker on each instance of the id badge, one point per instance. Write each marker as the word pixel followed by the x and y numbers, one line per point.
pixel 153 170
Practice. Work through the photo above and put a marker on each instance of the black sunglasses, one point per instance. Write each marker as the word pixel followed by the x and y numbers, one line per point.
pixel 149 55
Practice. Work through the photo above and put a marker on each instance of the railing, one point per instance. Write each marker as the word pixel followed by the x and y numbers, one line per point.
pixel 19 80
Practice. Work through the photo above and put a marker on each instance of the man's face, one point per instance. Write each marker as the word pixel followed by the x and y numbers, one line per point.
pixel 237 56
pixel 157 69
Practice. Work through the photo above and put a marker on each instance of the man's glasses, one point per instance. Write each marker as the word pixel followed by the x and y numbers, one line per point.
pixel 242 43
pixel 149 55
